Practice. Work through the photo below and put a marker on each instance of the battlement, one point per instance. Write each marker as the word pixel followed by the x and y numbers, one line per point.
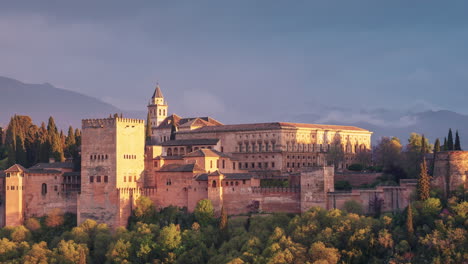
pixel 106 122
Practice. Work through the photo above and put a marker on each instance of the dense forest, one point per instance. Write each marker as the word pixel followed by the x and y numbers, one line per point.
pixel 429 231
pixel 27 144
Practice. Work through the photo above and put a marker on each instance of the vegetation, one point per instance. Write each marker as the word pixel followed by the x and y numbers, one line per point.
pixel 27 144
pixel 424 233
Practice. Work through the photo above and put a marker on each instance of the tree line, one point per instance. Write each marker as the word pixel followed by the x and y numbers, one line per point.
pixel 428 231
pixel 27 144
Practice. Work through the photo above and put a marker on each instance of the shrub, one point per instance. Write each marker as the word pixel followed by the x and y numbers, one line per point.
pixel 353 206
pixel 356 167
pixel 342 186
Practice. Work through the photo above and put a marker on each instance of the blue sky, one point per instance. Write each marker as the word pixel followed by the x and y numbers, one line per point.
pixel 244 60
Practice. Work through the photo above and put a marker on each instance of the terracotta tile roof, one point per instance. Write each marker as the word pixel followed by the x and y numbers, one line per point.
pixel 238 176
pixel 43 171
pixel 207 153
pixel 271 126
pixel 16 168
pixel 191 142
pixel 179 121
pixel 169 158
pixel 181 168
pixel 55 165
pixel 157 92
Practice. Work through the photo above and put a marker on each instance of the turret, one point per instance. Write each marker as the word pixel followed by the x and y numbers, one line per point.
pixel 157 109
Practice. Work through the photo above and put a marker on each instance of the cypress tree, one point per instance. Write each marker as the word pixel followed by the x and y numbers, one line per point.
pixel 10 141
pixel 444 147
pixel 450 140
pixel 457 142
pixel 148 128
pixel 409 220
pixel 55 141
pixel 71 140
pixel 78 137
pixel 173 132
pixel 424 182
pixel 437 146
pixel 223 224
pixel 423 145
pixel 1 136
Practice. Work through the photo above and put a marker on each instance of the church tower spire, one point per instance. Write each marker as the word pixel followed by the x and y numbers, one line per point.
pixel 157 111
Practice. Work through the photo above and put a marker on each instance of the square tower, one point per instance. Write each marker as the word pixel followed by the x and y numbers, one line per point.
pixel 157 112
pixel 13 214
pixel 112 168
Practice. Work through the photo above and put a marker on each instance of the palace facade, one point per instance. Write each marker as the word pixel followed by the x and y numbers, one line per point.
pixel 178 161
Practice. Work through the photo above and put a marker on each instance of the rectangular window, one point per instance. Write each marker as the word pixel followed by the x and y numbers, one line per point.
pixel 98 178
pixel 8 188
pixel 217 164
pixel 260 165
pixel 253 165
pixel 272 164
pixel 134 178
pixel 233 165
pixel 129 178
pixel 106 178
pixel 155 164
pixel 224 164
pixel 246 165
pixel 287 165
pixel 91 179
pixel 243 181
pixel 125 178
pixel 266 165
pixel 55 187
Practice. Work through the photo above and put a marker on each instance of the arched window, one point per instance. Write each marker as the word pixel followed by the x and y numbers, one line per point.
pixel 169 152
pixel 176 151
pixel 213 184
pixel 44 189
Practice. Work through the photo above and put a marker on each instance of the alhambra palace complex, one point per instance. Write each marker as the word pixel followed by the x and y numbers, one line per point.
pixel 189 159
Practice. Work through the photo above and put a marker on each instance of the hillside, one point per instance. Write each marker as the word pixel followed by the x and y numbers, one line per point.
pixel 42 100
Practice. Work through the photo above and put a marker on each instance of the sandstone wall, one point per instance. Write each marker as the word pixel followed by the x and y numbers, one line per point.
pixel 450 170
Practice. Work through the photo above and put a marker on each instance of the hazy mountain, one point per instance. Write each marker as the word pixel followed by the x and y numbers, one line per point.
pixel 433 124
pixel 42 100
pixel 68 108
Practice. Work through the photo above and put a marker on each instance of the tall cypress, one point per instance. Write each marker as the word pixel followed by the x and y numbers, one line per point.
pixel 55 141
pixel 78 137
pixel 148 128
pixel 436 150
pixel 423 145
pixel 424 183
pixel 10 141
pixel 409 220
pixel 450 140
pixel 457 142
pixel 444 147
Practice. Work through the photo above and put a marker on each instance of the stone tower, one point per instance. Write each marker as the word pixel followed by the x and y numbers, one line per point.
pixel 112 169
pixel 13 202
pixel 157 110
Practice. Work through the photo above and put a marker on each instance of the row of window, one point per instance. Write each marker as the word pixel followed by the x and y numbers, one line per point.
pixel 160 112
pixel 255 135
pixel 227 183
pixel 98 157
pixel 98 179
pixel 13 188
pixel 259 165
pixel 256 147
pixel 303 157
pixel 130 178
pixel 293 165
pixel 130 156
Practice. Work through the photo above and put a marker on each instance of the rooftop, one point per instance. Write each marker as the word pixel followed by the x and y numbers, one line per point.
pixel 271 126
pixel 181 168
pixel 190 142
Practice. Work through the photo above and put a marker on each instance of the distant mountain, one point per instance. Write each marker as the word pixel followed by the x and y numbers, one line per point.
pixel 39 101
pixel 433 124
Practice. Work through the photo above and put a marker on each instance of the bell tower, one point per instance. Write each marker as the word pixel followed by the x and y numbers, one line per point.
pixel 157 110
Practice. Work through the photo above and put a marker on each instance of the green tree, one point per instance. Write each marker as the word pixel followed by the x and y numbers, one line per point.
pixel 387 153
pixel 445 147
pixel 144 208
pixel 319 253
pixel 457 145
pixel 353 206
pixel 223 223
pixel 170 237
pixel 424 182
pixel 148 128
pixel 39 254
pixel 69 252
pixel 450 140
pixel 436 150
pixel 55 141
pixel 119 252
pixel 409 220
pixel 204 212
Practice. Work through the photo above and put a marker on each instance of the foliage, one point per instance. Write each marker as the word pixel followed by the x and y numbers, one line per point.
pixel 204 212
pixel 342 186
pixel 356 167
pixel 420 234
pixel 353 206
pixel 424 183
pixel 457 145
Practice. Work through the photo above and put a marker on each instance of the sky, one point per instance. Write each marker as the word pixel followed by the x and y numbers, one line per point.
pixel 242 61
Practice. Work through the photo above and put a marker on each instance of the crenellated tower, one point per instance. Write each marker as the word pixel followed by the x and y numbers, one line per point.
pixel 157 110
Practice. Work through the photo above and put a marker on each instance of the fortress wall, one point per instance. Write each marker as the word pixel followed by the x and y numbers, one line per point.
pixel 450 170
pixel 357 179
pixel 39 204
pixel 236 199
